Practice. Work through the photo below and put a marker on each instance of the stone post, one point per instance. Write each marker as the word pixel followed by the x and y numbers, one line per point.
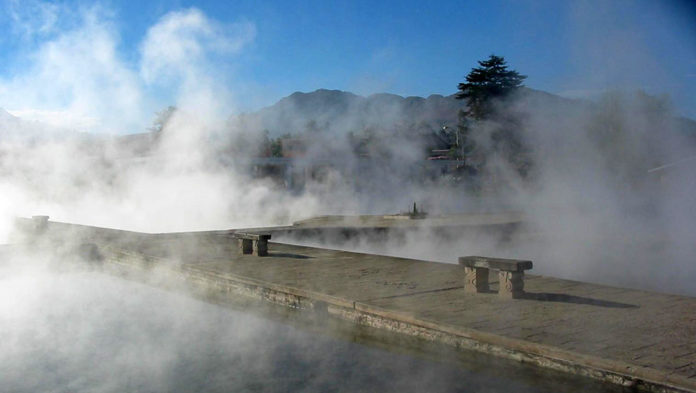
pixel 260 248
pixel 245 246
pixel 511 284
pixel 476 280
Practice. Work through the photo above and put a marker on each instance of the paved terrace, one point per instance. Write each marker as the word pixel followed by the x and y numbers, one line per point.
pixel 403 221
pixel 626 336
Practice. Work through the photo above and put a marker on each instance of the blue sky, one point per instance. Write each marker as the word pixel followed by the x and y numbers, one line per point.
pixel 136 57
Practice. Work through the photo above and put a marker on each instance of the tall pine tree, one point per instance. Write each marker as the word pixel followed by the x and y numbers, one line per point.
pixel 485 88
pixel 492 80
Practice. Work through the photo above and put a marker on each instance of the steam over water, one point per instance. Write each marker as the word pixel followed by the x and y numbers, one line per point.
pixel 595 204
pixel 88 332
pixel 610 199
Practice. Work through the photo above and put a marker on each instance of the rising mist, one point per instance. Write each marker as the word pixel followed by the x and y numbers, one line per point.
pixel 610 198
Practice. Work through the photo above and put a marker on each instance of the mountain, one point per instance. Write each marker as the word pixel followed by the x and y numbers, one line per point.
pixel 13 128
pixel 16 131
pixel 8 122
pixel 335 111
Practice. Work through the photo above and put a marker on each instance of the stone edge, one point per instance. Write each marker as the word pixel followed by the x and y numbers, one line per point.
pixel 616 372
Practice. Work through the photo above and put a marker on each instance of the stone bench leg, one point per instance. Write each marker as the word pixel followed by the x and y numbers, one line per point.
pixel 260 248
pixel 245 246
pixel 511 284
pixel 476 280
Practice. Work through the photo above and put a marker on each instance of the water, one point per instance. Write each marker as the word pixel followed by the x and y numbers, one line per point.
pixel 89 332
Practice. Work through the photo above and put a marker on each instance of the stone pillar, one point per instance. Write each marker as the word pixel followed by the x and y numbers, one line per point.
pixel 245 246
pixel 260 248
pixel 511 284
pixel 476 280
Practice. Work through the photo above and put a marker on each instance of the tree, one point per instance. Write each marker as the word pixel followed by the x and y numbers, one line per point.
pixel 484 90
pixel 277 147
pixel 162 118
pixel 491 81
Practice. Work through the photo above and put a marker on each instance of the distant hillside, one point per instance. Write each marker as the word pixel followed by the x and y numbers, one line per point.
pixel 336 111
pixel 11 126
pixel 16 129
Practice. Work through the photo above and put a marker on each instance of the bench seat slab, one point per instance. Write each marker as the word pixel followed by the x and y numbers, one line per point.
pixel 510 265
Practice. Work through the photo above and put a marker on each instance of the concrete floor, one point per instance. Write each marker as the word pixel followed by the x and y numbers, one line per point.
pixel 650 337
pixel 643 330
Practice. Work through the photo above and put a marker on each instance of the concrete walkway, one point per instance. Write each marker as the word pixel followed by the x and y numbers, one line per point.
pixel 635 338
pixel 626 336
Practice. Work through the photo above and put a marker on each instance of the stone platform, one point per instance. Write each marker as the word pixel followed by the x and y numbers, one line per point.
pixel 640 339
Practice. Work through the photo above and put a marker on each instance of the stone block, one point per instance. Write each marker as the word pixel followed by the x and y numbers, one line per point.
pixel 476 280
pixel 245 246
pixel 255 244
pixel 511 284
pixel 260 248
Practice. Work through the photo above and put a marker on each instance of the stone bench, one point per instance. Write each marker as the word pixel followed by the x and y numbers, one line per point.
pixel 253 243
pixel 510 275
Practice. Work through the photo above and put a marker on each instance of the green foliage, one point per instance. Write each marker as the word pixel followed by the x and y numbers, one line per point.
pixel 489 81
pixel 162 118
pixel 276 146
pixel 485 89
pixel 271 147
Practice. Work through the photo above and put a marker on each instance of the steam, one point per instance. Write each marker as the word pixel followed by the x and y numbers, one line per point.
pixel 603 214
pixel 602 203
pixel 599 204
pixel 593 209
pixel 78 81
pixel 86 331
